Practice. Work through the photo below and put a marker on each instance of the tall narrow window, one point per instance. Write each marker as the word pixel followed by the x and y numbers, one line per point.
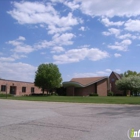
pixel 3 87
pixel 23 89
pixel 32 90
pixel 112 79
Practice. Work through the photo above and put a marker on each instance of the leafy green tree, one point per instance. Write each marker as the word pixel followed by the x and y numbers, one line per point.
pixel 131 83
pixel 130 73
pixel 47 77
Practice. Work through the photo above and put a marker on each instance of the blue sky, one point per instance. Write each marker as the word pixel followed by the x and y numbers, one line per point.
pixel 83 37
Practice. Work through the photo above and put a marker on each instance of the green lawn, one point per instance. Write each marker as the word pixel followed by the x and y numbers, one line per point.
pixel 79 99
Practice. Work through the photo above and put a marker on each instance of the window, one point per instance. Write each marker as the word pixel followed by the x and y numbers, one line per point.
pixel 23 89
pixel 112 79
pixel 32 89
pixel 3 87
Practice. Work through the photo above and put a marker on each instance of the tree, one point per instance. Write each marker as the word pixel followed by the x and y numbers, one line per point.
pixel 47 77
pixel 130 73
pixel 131 83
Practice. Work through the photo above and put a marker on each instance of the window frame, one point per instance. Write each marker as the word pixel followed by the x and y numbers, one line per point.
pixel 23 89
pixel 3 88
pixel 32 89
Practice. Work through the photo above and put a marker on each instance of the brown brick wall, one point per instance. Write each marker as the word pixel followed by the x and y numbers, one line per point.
pixel 102 87
pixel 70 91
pixel 113 87
pixel 85 91
pixel 17 87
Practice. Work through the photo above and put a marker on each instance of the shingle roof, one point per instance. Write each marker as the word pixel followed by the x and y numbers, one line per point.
pixel 16 81
pixel 87 80
pixel 117 75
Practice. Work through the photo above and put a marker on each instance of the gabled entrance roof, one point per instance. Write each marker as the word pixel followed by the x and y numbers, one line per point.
pixel 83 82
pixel 118 76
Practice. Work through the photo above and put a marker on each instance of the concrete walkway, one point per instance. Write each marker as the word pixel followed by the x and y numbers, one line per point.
pixel 24 120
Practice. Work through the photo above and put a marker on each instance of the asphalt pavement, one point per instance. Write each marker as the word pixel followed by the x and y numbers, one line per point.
pixel 29 120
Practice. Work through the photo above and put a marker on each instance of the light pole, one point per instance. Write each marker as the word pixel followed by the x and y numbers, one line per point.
pixel 6 91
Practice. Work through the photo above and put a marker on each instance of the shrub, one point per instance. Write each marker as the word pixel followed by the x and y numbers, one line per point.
pixel 93 94
pixel 55 94
pixel 4 95
pixel 110 93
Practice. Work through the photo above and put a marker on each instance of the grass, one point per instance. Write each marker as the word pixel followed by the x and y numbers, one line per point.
pixel 78 99
pixel 4 95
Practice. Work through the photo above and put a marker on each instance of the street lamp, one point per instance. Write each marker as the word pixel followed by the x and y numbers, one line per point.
pixel 6 90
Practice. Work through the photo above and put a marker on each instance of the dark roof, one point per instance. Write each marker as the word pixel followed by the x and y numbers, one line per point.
pixel 83 82
pixel 87 80
pixel 117 75
pixel 17 81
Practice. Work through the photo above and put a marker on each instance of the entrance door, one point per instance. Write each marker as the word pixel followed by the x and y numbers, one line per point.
pixel 12 89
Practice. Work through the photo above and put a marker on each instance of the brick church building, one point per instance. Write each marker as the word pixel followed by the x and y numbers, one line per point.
pixel 18 88
pixel 74 87
pixel 88 85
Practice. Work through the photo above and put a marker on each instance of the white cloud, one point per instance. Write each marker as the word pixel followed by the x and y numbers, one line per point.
pixel 110 8
pixel 76 55
pixel 95 54
pixel 126 42
pixel 63 39
pixel 43 53
pixel 20 47
pixel 112 31
pixel 107 22
pixel 53 29
pixel 6 59
pixel 21 38
pixel 73 5
pixel 14 42
pixel 17 71
pixel 44 14
pixel 119 48
pixel 82 28
pixel 32 12
pixel 132 25
pixel 58 1
pixel 102 73
pixel 23 49
pixel 68 21
pixel 84 46
pixel 126 36
pixel 88 74
pixel 18 56
pixel 57 49
pixel 43 44
pixel 11 58
pixel 106 72
pixel 117 70
pixel 117 55
pixel 122 46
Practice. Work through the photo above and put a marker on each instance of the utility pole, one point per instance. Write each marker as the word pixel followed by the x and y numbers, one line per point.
pixel 6 91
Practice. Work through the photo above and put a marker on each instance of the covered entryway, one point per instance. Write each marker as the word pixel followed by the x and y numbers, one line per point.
pixel 13 90
pixel 86 86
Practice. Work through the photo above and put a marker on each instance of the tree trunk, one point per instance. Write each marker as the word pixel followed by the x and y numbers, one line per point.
pixel 128 92
pixel 47 91
pixel 43 91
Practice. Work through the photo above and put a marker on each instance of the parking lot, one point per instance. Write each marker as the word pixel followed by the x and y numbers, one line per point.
pixel 29 120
